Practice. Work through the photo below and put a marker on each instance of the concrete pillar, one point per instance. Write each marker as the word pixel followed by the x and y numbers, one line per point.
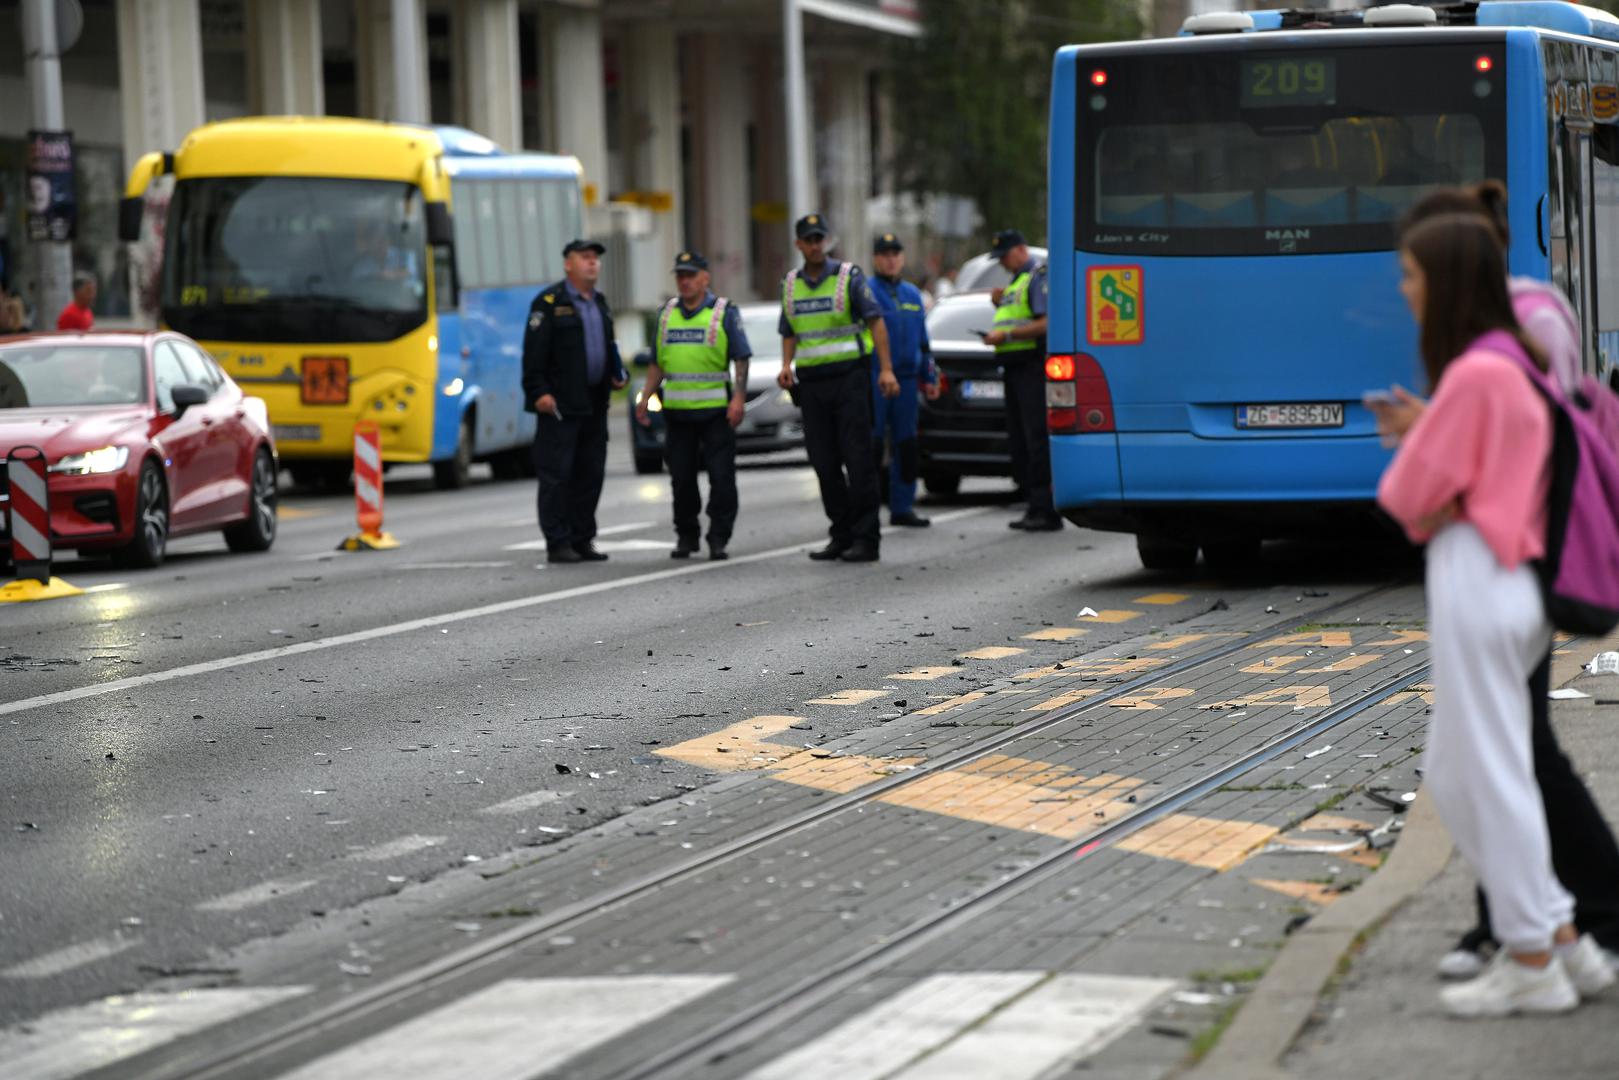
pixel 488 89
pixel 284 65
pixel 573 92
pixel 160 84
pixel 720 147
pixel 376 68
pixel 846 162
pixel 53 259
pixel 772 221
pixel 652 131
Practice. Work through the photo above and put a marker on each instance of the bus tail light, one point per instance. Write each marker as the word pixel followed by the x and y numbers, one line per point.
pixel 1078 401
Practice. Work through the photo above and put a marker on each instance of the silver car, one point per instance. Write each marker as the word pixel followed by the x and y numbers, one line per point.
pixel 770 420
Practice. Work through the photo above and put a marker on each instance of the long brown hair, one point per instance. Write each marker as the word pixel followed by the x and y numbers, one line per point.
pixel 1465 275
pixel 1488 198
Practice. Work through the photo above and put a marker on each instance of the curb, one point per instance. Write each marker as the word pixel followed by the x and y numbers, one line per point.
pixel 1286 997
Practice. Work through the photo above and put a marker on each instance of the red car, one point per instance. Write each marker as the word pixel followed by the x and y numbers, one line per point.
pixel 144 437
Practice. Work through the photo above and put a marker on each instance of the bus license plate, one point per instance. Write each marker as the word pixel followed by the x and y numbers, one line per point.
pixel 296 432
pixel 1318 415
pixel 983 390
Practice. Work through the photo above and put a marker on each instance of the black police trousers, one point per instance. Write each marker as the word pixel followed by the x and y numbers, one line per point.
pixel 1026 427
pixel 1584 854
pixel 691 446
pixel 837 436
pixel 570 458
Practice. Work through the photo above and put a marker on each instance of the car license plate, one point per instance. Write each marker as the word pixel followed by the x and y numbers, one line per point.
pixel 297 432
pixel 1309 415
pixel 983 390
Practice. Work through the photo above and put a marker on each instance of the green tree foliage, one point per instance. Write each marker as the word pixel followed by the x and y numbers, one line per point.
pixel 972 97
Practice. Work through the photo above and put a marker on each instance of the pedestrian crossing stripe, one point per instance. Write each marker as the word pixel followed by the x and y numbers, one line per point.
pixel 80 1038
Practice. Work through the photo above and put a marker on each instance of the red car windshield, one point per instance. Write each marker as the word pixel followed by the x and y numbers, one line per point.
pixel 71 376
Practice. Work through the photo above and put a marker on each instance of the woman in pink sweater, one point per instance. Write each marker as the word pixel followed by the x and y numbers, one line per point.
pixel 1470 480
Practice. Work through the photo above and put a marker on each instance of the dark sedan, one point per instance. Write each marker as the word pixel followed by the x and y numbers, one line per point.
pixel 963 433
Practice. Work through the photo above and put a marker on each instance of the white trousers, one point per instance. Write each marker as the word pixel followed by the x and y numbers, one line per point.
pixel 1488 631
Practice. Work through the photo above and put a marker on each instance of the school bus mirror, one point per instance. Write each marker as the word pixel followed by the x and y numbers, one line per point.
pixel 130 212
pixel 440 229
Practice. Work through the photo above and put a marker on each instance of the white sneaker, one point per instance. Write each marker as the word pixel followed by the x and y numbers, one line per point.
pixel 1587 966
pixel 1461 964
pixel 1508 987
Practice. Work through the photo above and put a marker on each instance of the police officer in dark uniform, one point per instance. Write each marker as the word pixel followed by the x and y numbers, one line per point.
pixel 571 367
pixel 1019 337
pixel 831 326
pixel 909 348
pixel 700 336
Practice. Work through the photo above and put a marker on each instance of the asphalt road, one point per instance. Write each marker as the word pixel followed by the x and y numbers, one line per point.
pixel 232 746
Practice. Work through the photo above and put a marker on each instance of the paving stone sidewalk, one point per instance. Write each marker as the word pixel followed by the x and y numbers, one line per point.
pixel 1383 1017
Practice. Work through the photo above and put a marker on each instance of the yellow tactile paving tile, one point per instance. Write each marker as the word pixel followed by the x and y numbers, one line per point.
pixel 1307 697
pixel 1363 855
pixel 1311 891
pixel 993 652
pixel 924 674
pixel 1056 633
pixel 1068 697
pixel 1151 697
pixel 1419 690
pixel 840 774
pixel 1163 598
pixel 1206 842
pixel 1403 637
pixel 1272 665
pixel 737 748
pixel 1353 662
pixel 1114 616
pixel 1080 668
pixel 1320 639
pixel 953 703
pixel 847 697
pixel 1180 641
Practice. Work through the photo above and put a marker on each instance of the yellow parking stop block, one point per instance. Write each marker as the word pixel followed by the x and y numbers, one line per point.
pixel 15 592
pixel 377 541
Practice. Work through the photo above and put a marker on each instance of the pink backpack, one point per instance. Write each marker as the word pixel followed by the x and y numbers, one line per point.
pixel 1598 401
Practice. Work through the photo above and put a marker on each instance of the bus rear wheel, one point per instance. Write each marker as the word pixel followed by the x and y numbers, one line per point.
pixel 1163 553
pixel 457 471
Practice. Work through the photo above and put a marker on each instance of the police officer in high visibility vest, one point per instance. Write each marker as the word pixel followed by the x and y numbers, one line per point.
pixel 831 325
pixel 1019 337
pixel 913 366
pixel 699 336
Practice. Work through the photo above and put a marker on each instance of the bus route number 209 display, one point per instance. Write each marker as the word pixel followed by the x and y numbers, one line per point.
pixel 1281 82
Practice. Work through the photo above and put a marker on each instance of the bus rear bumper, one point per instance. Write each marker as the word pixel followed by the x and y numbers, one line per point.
pixel 1181 486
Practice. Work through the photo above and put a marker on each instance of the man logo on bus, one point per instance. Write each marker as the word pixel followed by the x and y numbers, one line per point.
pixel 1115 305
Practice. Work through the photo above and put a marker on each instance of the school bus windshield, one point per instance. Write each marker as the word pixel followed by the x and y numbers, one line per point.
pixel 284 259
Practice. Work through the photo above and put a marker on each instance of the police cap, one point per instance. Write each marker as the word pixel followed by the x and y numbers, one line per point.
pixel 810 226
pixel 1005 241
pixel 690 260
pixel 885 243
pixel 583 245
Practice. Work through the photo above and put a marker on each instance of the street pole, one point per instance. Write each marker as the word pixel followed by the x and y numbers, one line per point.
pixel 410 81
pixel 53 258
pixel 800 194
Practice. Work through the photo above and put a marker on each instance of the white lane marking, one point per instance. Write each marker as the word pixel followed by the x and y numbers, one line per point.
pixel 393 849
pixel 513 1030
pixel 254 895
pixel 893 1032
pixel 207 667
pixel 452 565
pixel 602 545
pixel 609 530
pixel 75 1040
pixel 531 801
pixel 69 957
pixel 1067 1019
pixel 1010 1025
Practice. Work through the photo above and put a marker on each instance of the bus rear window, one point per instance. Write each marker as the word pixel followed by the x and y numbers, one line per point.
pixel 1254 153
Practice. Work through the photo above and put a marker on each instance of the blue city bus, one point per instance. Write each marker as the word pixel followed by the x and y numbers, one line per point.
pixel 1222 270
pixel 347 269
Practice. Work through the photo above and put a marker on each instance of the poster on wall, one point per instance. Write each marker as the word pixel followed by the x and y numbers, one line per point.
pixel 52 210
